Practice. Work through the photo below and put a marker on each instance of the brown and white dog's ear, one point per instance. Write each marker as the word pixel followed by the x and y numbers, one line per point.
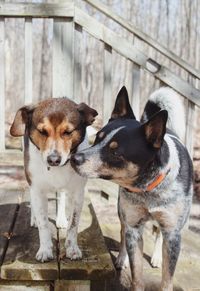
pixel 87 112
pixel 21 118
pixel 122 108
pixel 155 129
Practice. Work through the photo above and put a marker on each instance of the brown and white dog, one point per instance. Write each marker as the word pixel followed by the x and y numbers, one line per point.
pixel 52 130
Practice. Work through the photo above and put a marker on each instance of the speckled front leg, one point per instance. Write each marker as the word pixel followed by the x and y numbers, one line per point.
pixel 134 246
pixel 171 250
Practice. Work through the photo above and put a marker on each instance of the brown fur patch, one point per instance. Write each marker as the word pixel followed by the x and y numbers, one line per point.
pixel 113 145
pixel 124 176
pixel 60 133
pixel 55 123
pixel 122 113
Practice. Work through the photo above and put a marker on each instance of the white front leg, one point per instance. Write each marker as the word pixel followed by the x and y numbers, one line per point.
pixel 61 219
pixel 39 203
pixel 72 250
pixel 33 218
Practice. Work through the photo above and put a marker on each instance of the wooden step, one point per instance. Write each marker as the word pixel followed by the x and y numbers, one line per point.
pixel 96 263
pixel 19 243
pixel 19 262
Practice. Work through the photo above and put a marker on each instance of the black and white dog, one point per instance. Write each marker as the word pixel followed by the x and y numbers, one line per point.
pixel 155 173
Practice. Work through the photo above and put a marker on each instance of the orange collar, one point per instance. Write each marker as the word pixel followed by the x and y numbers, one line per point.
pixel 152 185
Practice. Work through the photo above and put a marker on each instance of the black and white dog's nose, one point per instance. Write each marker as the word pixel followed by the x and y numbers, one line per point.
pixel 78 159
pixel 54 159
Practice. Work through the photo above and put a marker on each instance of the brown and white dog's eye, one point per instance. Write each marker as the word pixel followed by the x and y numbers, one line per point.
pixel 43 132
pixel 68 132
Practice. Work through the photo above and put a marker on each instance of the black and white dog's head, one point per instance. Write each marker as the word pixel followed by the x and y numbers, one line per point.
pixel 124 147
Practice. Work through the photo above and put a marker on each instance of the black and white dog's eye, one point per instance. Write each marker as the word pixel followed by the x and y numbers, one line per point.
pixel 116 154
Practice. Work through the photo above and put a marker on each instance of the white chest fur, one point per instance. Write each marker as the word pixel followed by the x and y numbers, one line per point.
pixel 52 178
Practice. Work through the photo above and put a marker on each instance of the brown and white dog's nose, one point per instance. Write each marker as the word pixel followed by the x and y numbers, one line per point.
pixel 54 159
pixel 78 159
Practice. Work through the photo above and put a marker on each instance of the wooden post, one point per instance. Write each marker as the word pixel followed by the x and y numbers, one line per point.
pixel 135 100
pixel 135 92
pixel 78 63
pixel 190 121
pixel 28 62
pixel 63 57
pixel 2 85
pixel 107 96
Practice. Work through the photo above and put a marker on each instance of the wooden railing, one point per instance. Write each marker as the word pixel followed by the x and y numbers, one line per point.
pixel 145 38
pixel 69 22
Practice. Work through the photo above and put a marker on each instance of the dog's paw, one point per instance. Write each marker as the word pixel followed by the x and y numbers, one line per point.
pixel 121 261
pixel 156 259
pixel 73 252
pixel 61 222
pixel 44 254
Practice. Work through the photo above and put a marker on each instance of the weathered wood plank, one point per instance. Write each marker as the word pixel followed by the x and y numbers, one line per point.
pixel 65 285
pixel 108 187
pixel 96 263
pixel 135 100
pixel 143 36
pixel 20 262
pixel 181 86
pixel 11 196
pixel 107 96
pixel 25 286
pixel 11 157
pixel 190 123
pixel 100 286
pixel 126 49
pixel 106 35
pixel 9 204
pixel 78 46
pixel 7 211
pixel 37 9
pixel 63 58
pixel 28 62
pixel 2 85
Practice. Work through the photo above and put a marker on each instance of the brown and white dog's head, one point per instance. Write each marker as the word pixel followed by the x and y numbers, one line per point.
pixel 55 126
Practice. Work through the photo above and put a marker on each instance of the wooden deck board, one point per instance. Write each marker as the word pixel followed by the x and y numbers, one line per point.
pixel 9 211
pixel 63 285
pixel 8 207
pixel 20 262
pixel 96 263
pixel 25 286
pixel 188 268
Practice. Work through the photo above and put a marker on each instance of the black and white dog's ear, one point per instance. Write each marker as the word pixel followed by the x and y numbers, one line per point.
pixel 155 128
pixel 21 119
pixel 122 108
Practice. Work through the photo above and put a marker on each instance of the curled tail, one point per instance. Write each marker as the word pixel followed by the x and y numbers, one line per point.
pixel 166 98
